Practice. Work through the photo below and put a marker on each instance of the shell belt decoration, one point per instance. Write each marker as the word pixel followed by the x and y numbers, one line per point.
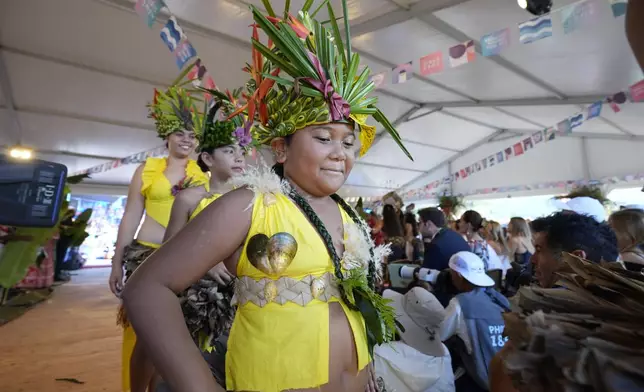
pixel 285 289
pixel 273 255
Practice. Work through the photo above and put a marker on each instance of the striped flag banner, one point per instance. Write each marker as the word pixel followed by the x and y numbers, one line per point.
pixel 172 34
pixel 535 29
pixel 576 121
pixel 149 9
pixel 139 157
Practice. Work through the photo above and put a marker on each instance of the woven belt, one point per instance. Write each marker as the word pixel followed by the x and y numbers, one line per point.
pixel 285 289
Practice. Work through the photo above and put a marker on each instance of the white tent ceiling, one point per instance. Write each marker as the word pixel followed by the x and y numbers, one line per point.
pixel 75 76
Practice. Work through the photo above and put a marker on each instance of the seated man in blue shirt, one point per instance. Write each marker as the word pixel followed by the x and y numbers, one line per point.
pixel 440 242
pixel 474 316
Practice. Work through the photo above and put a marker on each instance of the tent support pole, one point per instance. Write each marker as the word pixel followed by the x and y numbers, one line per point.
pixel 584 158
pixel 449 173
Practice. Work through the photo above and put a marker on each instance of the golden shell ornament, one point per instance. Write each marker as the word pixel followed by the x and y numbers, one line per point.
pixel 271 255
pixel 270 291
pixel 317 287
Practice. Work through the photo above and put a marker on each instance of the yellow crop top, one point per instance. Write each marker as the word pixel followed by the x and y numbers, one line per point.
pixel 203 203
pixel 282 344
pixel 157 190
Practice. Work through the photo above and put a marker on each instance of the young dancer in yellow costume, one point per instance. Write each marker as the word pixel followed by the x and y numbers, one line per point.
pixel 152 191
pixel 307 315
pixel 207 304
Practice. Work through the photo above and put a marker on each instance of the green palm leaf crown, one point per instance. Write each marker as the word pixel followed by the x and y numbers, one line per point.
pixel 323 83
pixel 219 132
pixel 175 110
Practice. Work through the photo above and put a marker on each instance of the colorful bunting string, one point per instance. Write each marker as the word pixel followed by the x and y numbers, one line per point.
pixel 429 193
pixel 149 9
pixel 177 42
pixel 139 157
pixel 563 128
pixel 575 17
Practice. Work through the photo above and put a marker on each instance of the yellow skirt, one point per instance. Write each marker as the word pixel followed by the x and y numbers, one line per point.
pixel 129 339
pixel 283 347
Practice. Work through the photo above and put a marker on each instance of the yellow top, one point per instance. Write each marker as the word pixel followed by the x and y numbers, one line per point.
pixel 203 203
pixel 282 347
pixel 157 190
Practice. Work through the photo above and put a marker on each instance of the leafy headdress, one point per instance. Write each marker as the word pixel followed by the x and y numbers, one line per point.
pixel 322 84
pixel 175 109
pixel 218 132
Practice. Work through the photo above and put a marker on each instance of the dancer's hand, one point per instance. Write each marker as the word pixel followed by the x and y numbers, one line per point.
pixel 116 280
pixel 372 385
pixel 220 274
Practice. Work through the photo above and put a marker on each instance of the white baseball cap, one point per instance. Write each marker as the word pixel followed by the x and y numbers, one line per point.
pixel 471 267
pixel 421 315
pixel 583 205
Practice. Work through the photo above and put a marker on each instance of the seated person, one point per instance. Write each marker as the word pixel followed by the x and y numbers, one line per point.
pixel 440 242
pixel 581 235
pixel 419 362
pixel 578 234
pixel 474 318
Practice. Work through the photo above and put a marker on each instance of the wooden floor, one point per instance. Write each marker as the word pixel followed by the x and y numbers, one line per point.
pixel 73 335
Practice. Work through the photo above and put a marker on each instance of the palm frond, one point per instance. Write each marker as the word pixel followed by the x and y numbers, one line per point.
pixel 382 119
pixel 285 39
pixel 351 75
pixel 347 30
pixel 274 58
pixel 322 4
pixel 303 89
pixel 336 34
pixel 307 6
pixel 269 7
pixel 184 73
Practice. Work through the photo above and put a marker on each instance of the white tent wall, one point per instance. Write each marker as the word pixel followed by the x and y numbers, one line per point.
pixel 609 158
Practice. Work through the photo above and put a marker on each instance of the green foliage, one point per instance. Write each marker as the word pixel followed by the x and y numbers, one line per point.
pixel 450 203
pixel 379 316
pixel 286 115
pixel 77 230
pixel 586 191
pixel 176 109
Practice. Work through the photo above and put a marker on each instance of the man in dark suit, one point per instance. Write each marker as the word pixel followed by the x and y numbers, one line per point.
pixel 440 242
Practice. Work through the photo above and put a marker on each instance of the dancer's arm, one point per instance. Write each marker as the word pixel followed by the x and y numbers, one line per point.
pixel 183 205
pixel 150 300
pixel 134 208
pixel 635 29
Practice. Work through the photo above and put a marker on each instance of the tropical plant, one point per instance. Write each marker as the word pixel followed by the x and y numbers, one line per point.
pixel 450 203
pixel 593 192
pixel 77 229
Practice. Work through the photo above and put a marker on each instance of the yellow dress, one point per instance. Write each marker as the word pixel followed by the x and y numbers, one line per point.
pixel 157 191
pixel 203 203
pixel 272 346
